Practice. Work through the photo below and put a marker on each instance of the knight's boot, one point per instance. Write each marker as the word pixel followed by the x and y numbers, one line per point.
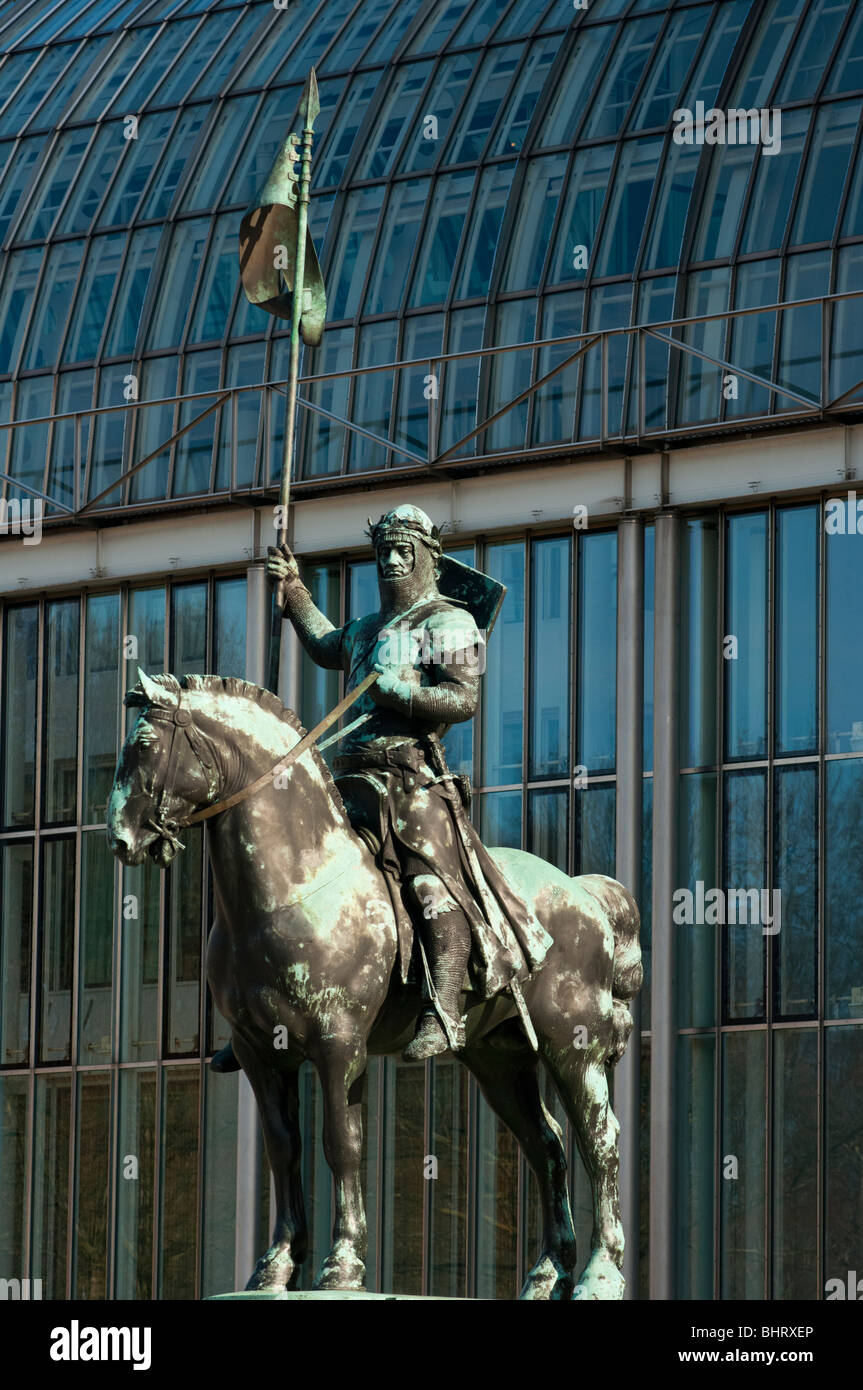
pixel 225 1060
pixel 447 943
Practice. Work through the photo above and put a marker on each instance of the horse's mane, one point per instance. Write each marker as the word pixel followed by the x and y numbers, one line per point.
pixel 244 690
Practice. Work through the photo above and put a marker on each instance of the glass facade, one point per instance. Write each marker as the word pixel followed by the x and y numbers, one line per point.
pixel 464 200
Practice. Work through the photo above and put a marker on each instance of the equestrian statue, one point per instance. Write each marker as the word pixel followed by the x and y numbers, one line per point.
pixel 361 914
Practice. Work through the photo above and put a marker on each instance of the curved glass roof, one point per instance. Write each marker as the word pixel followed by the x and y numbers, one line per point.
pixel 486 172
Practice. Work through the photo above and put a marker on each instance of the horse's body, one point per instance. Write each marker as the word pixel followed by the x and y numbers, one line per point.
pixel 301 964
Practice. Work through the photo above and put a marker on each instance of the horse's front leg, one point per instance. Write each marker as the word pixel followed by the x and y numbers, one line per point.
pixel 277 1095
pixel 341 1066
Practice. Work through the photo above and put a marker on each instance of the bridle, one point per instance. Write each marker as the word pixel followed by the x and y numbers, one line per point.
pixel 180 718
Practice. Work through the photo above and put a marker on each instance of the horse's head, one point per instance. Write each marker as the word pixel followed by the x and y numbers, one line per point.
pixel 167 769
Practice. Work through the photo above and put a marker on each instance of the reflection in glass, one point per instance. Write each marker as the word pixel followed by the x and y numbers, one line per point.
pixel 500 820
pixel 58 938
pixel 586 188
pixel 16 909
pixel 401 226
pixel 595 811
pixel 744 1107
pixel 496 1207
pixel 550 646
pixel 806 277
pixel 136 1150
pixel 102 698
pixel 775 177
pixel 188 655
pixel 554 403
pixel 95 998
pixel 93 1186
pixel 478 253
pixel 597 650
pixel 61 710
pixel 508 374
pixel 14 1108
pixel 796 878
pixel 753 337
pixel 746 622
pixel 796 629
pixel 699 642
pixel 448 1195
pixel 844 1124
pixel 178 1223
pixel 843 887
pixel 503 683
pixel 373 395
pixel 696 1166
pixel 51 1183
pixel 183 983
pixel 458 741
pixel 547 832
pixel 844 683
pixel 795 1161
pixel 229 626
pixel 404 1180
pixel 140 963
pixel 745 832
pixel 459 386
pixel 220 1182
pixel 697 943
pixel 446 221
pixel 20 661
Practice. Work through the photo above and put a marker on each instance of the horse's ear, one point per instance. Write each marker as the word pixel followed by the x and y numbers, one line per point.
pixel 155 692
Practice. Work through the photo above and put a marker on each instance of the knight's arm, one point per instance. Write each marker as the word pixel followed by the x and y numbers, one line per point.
pixel 321 639
pixel 452 700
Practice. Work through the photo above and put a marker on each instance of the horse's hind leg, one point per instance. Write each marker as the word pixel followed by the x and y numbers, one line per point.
pixel 583 1086
pixel 277 1094
pixel 509 1080
pixel 341 1067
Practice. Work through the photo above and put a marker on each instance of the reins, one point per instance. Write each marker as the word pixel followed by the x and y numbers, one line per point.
pixel 181 718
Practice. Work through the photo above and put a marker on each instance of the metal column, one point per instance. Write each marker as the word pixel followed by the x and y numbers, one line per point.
pixel 663 1013
pixel 630 760
pixel 249 1138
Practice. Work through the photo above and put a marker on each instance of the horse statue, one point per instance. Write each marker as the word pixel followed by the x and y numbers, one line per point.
pixel 303 949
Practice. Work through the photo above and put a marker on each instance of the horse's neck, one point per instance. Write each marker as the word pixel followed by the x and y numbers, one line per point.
pixel 290 832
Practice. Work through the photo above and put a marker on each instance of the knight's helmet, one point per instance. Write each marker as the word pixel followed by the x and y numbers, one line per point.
pixel 409 525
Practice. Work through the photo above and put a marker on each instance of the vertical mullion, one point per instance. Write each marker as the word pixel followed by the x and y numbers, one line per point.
pixel 719 949
pixel 160 1011
pixel 36 946
pixel 769 946
pixel 821 832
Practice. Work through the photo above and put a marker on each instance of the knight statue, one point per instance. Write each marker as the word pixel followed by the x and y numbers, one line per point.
pixel 426 648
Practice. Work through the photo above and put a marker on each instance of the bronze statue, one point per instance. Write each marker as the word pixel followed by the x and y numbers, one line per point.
pixel 312 955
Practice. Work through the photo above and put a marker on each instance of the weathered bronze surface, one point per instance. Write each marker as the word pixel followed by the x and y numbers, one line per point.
pixel 313 954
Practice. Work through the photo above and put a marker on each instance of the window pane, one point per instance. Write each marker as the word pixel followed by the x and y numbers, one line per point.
pixel 53 303
pixel 548 831
pixel 102 701
pixel 745 874
pixel 229 626
pixel 806 277
pixel 319 688
pixel 123 327
pixel 188 655
pixel 500 820
pixel 697 943
pixel 796 629
pixel 373 395
pixel 595 849
pixel 93 1184
pixel 422 336
pixel 61 709
pixel 775 176
pixel 425 140
pixel 401 225
pixel 630 57
pixel 496 1207
pixel 51 1183
pixel 795 1160
pixel 503 683
pixel 627 214
pixel 220 1182
pixel 826 170
pixel 350 257
pixel 844 636
pixel 448 1197
pixel 744 1101
pixel 696 1166
pixel 397 115
pixel 588 54
pixel 177 274
pixel 746 622
pixel 218 282
pixel 597 650
pixel 323 439
pixel 668 219
pixel 796 878
pixel 554 403
pixel 460 385
pixel 16 918
pixel 16 302
pixel 96 949
pixel 551 640
pixel 586 188
pixel 139 993
pixel 843 884
pixel 844 1123
pixel 146 625
pixel 508 373
pixel 699 642
pixel 805 69
pixel 136 1184
pixel 20 660
pixel 194 456
pixel 58 931
pixel 753 336
pixel 401 1262
pixel 183 984
pixel 538 200
pixel 179 1165
pixel 480 246
pixel 14 1107
pixel 438 253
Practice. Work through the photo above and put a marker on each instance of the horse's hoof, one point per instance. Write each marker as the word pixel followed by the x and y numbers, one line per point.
pixel 342 1269
pixel 547 1281
pixel 601 1279
pixel 274 1270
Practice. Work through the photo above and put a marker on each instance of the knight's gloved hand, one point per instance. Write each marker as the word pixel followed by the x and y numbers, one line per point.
pixel 391 691
pixel 281 565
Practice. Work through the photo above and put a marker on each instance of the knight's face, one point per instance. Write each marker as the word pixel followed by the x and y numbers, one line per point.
pixel 396 560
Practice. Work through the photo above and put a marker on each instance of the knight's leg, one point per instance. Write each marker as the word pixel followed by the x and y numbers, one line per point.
pixel 509 1080
pixel 341 1068
pixel 446 938
pixel 277 1095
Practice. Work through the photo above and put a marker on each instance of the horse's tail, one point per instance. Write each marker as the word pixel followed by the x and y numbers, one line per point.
pixel 627 973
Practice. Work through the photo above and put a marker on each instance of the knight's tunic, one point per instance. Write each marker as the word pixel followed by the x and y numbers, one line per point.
pixel 393 778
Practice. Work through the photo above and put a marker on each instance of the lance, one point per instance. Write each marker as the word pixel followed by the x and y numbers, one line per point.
pixel 275 242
